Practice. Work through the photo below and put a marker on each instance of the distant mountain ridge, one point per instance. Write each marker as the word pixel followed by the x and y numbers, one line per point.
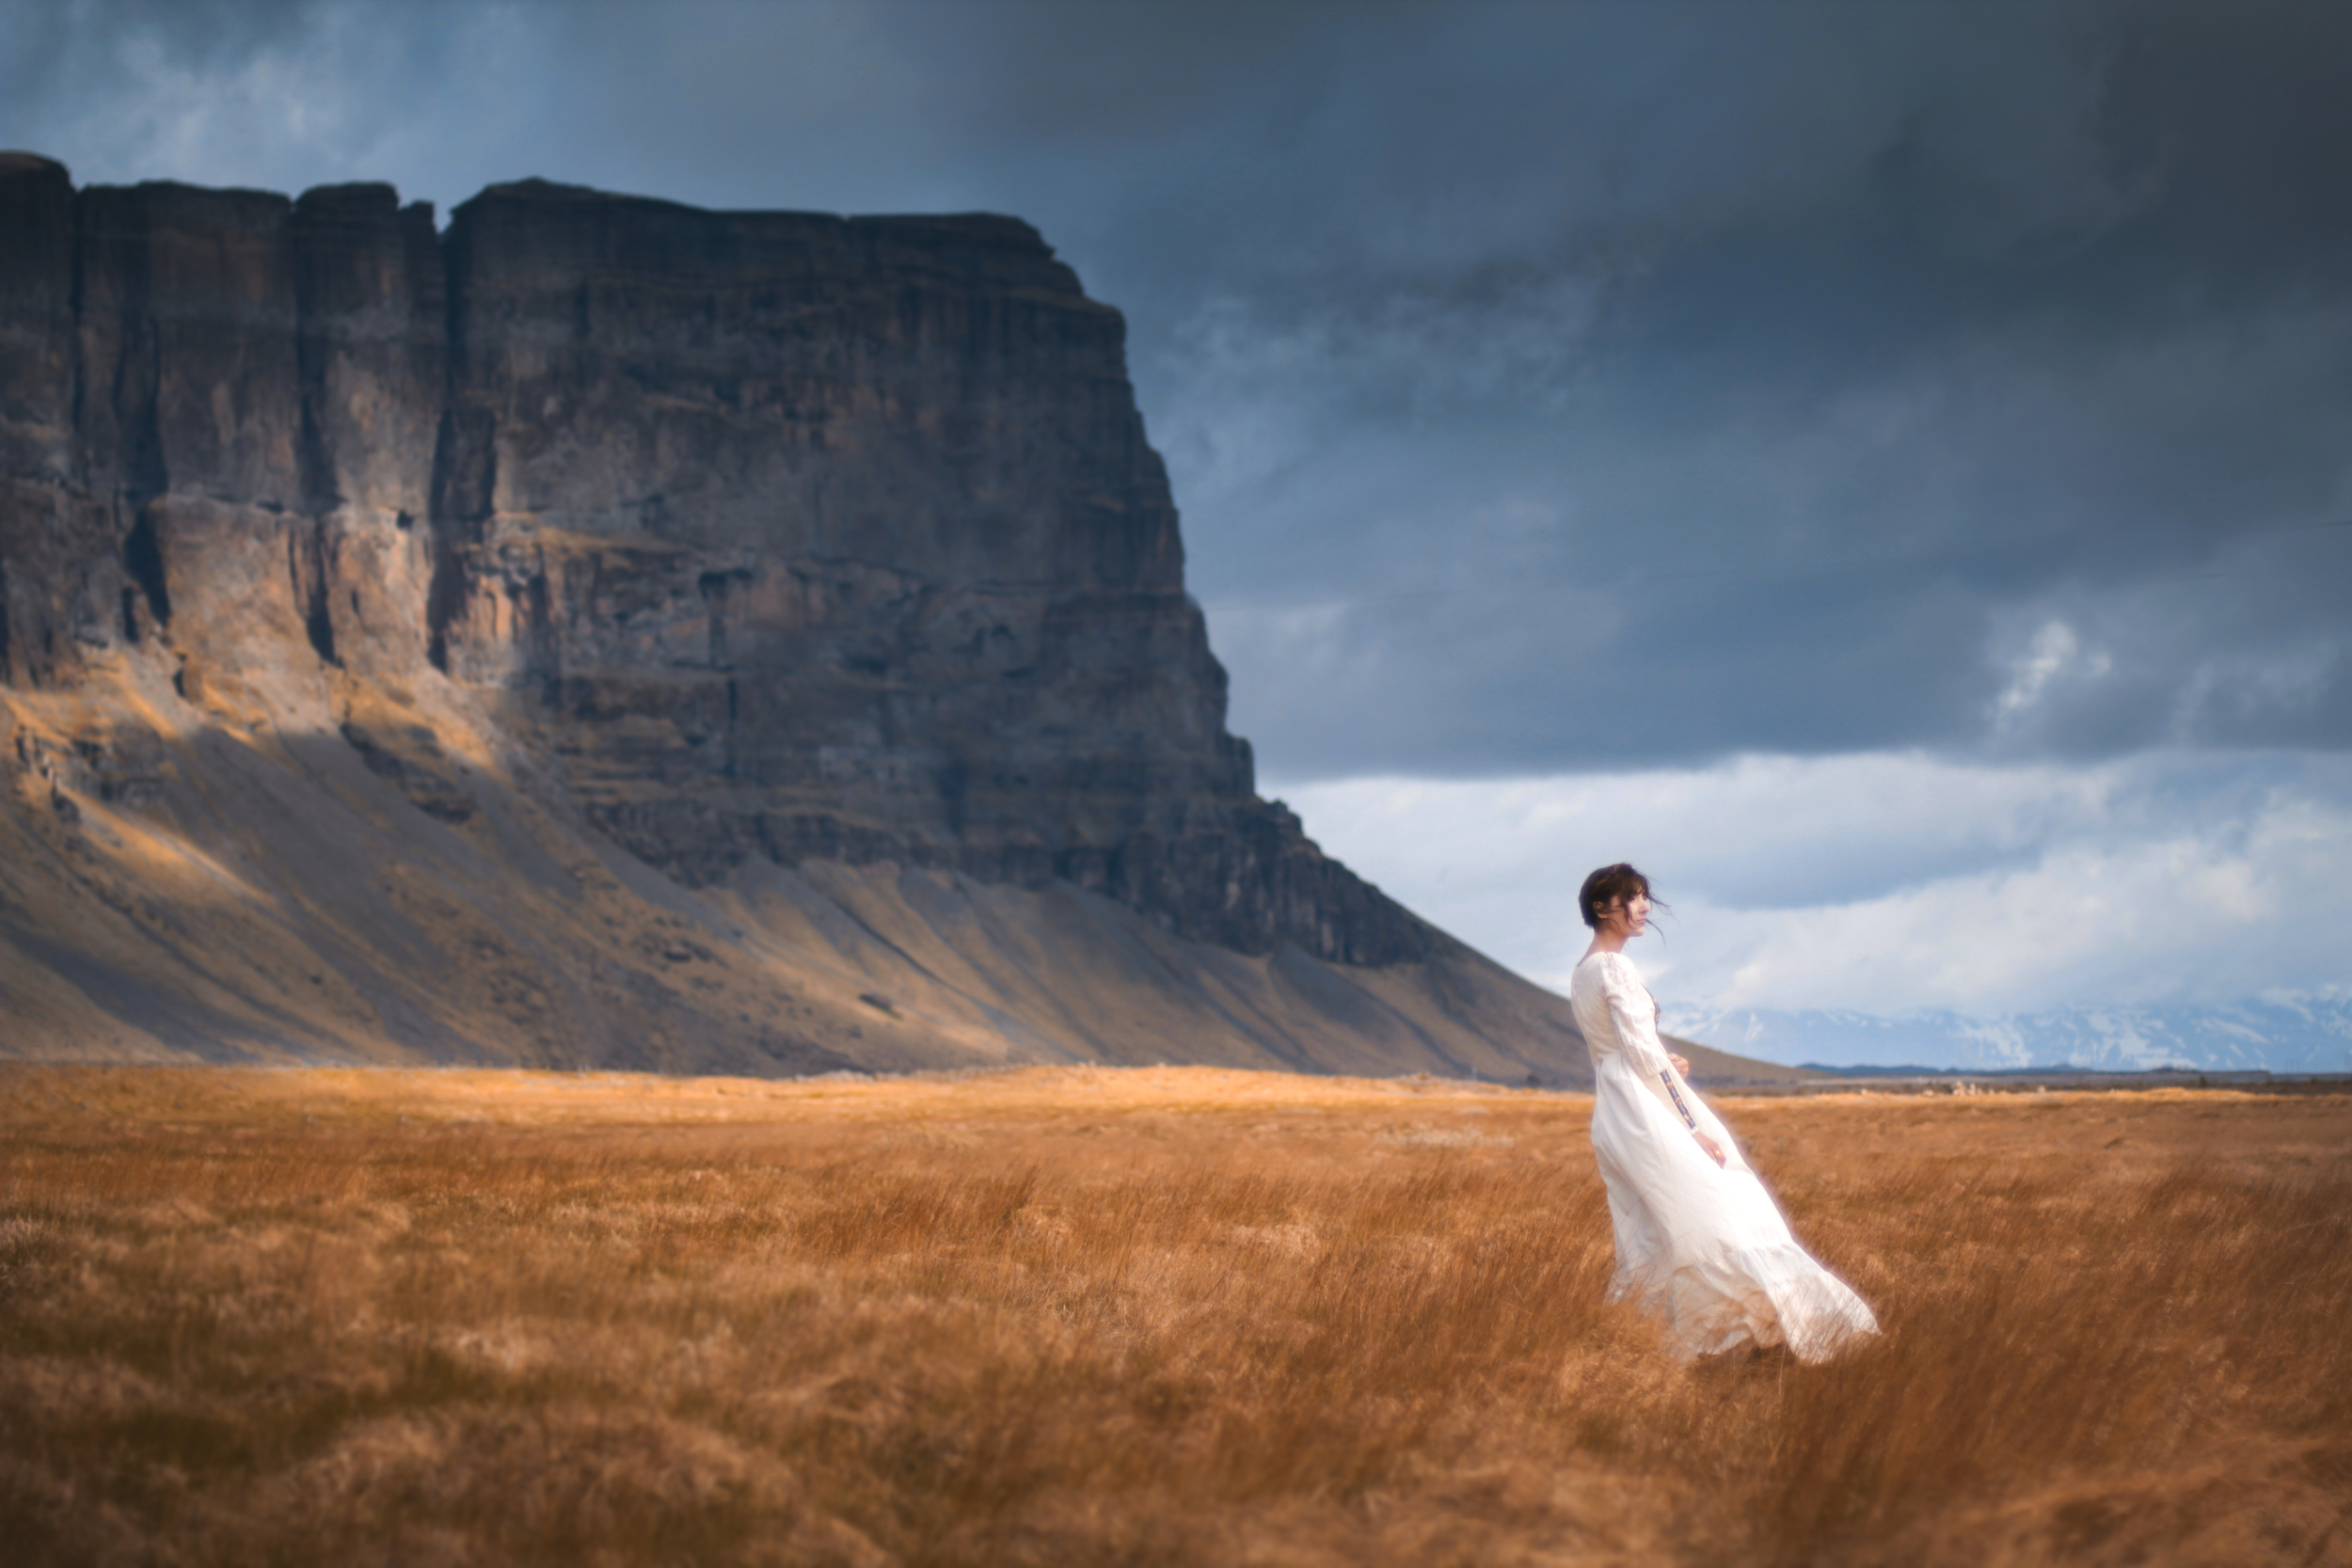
pixel 2308 1034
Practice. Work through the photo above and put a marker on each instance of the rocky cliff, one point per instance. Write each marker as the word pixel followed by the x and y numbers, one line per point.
pixel 790 536
pixel 612 631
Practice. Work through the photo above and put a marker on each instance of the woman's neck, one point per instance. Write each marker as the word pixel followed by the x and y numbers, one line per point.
pixel 1608 939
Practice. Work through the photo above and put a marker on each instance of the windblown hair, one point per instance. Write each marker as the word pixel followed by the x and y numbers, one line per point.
pixel 1605 887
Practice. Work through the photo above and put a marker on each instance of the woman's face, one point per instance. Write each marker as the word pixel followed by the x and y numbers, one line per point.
pixel 1630 915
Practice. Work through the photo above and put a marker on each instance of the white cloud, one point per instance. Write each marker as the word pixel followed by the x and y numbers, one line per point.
pixel 1887 883
pixel 2055 652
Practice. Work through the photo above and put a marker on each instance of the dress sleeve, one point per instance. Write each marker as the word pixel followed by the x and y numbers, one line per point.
pixel 1635 1014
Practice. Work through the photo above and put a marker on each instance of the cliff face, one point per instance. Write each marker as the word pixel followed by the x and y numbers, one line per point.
pixel 218 416
pixel 789 536
pixel 612 632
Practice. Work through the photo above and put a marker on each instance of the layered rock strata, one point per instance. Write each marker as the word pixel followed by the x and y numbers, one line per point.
pixel 607 634
pixel 766 538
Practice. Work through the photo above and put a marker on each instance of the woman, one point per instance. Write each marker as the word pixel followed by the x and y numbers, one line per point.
pixel 1700 1243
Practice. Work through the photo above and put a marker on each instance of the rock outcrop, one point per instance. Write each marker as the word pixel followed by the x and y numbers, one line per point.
pixel 608 632
pixel 792 536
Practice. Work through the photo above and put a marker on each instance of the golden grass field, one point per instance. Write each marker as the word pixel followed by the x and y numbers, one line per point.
pixel 1069 1316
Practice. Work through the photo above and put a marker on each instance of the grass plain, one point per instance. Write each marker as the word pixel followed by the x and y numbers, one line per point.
pixel 1077 1315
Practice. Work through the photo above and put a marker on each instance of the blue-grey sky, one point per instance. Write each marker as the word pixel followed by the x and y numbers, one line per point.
pixel 1887 467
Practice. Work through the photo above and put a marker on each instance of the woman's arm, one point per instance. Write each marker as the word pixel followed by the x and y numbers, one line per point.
pixel 1636 1025
pixel 1657 1015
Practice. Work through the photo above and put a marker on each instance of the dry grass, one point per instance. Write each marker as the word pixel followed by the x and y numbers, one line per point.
pixel 1164 1316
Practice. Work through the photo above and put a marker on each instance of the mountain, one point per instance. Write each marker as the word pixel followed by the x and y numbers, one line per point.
pixel 607 632
pixel 2294 1034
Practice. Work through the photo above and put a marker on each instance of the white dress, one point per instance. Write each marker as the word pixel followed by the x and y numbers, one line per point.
pixel 1701 1246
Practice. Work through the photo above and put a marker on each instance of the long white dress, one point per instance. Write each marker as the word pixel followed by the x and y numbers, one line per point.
pixel 1701 1246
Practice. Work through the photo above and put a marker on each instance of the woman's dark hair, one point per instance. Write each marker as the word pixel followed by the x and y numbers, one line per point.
pixel 1606 887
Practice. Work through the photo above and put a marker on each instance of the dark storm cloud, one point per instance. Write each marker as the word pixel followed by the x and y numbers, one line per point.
pixel 1545 386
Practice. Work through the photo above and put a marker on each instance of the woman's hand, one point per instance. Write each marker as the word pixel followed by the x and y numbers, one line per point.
pixel 1682 1065
pixel 1714 1151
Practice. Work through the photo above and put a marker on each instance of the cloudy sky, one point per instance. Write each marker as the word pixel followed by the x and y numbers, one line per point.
pixel 1885 468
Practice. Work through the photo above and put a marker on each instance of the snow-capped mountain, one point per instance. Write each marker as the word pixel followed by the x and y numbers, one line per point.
pixel 2308 1033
